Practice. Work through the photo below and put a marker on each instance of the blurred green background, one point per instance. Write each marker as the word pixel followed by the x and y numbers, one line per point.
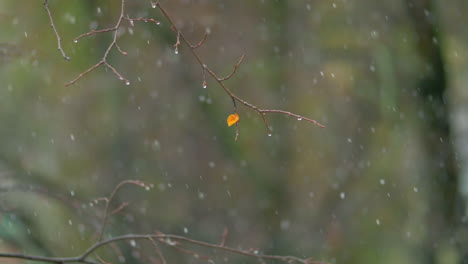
pixel 384 182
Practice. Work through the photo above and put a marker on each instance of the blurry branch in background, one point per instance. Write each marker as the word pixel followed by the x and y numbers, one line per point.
pixel 52 25
pixel 180 39
pixel 71 203
pixel 9 51
pixel 13 175
pixel 177 242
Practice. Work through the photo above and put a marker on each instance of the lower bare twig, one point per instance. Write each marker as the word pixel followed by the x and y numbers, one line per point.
pixel 109 199
pixel 169 240
pixel 175 241
pixel 158 251
pixel 224 237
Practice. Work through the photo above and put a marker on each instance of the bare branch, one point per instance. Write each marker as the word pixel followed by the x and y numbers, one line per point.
pixel 84 73
pixel 224 237
pixel 120 50
pixel 158 251
pixel 109 200
pixel 92 32
pixel 298 117
pixel 175 241
pixel 127 82
pixel 234 70
pixel 46 259
pixel 177 238
pixel 83 258
pixel 266 123
pixel 52 25
pixel 120 208
pixel 179 40
pixel 262 112
pixel 201 42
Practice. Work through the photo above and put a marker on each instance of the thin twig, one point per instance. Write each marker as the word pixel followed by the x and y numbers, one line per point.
pixel 120 50
pixel 158 251
pixel 84 73
pixel 298 117
pixel 103 61
pixel 109 200
pixel 224 237
pixel 201 42
pixel 235 68
pixel 120 208
pixel 92 32
pixel 57 36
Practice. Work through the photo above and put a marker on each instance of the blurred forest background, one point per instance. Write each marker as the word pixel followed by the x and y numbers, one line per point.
pixel 384 182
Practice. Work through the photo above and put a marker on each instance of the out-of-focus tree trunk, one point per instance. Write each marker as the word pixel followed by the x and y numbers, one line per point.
pixel 453 20
pixel 441 172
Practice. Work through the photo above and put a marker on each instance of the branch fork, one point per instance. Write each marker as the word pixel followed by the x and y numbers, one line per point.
pixel 113 44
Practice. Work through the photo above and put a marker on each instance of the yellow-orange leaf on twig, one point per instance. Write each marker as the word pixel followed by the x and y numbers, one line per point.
pixel 232 119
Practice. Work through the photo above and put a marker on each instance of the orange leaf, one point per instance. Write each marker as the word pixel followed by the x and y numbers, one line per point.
pixel 232 119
